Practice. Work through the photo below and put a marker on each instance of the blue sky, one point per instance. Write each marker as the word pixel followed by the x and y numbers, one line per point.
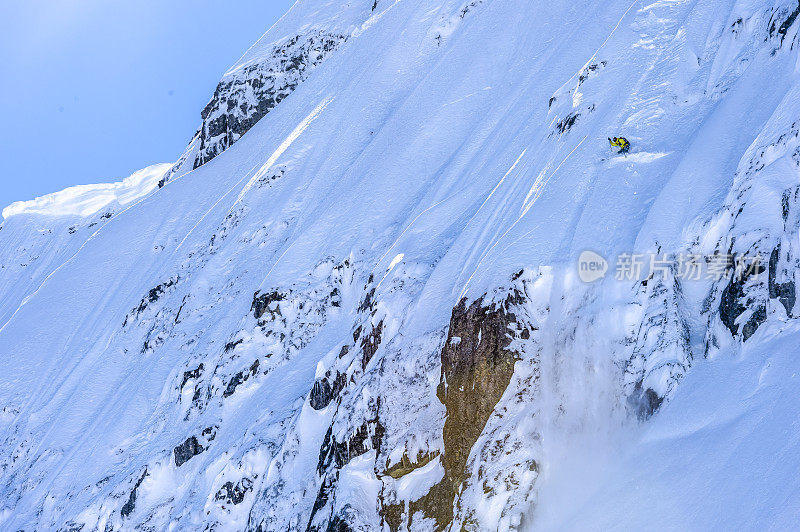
pixel 93 90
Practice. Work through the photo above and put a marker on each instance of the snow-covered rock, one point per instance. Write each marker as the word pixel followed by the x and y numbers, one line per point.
pixel 354 302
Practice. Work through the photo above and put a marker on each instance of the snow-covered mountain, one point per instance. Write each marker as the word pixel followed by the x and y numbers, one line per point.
pixel 359 300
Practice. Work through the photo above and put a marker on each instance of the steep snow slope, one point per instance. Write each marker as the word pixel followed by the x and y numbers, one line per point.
pixel 714 459
pixel 359 308
pixel 42 234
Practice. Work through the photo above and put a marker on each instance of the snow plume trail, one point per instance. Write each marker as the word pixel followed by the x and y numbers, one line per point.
pixel 510 170
pixel 540 183
pixel 288 141
pixel 513 166
pixel 535 191
pixel 412 222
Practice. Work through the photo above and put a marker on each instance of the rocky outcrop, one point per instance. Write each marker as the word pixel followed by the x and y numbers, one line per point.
pixel 191 374
pixel 245 96
pixel 476 370
pixel 366 437
pixel 661 353
pixel 193 446
pixel 783 19
pixel 748 293
pixel 566 123
pixel 187 450
pixel 370 344
pixel 761 216
pixel 264 302
pixel 784 292
pixel 153 295
pixel 334 455
pixel 130 504
pixel 735 301
pixel 240 378
pixel 231 493
pixel 325 391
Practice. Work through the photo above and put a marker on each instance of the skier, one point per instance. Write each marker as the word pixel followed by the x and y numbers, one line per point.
pixel 621 143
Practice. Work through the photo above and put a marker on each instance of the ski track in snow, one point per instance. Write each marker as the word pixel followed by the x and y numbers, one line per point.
pixel 281 149
pixel 536 190
pixel 27 298
pixel 389 250
pixel 594 55
pixel 293 136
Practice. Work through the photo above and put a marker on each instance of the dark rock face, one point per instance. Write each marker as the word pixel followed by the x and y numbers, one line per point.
pixel 187 450
pixel 334 455
pixel 324 392
pixel 587 72
pixel 230 346
pixel 337 524
pixel 261 303
pixel 735 301
pixel 234 382
pixel 566 123
pixel 130 505
pixel 153 295
pixel 643 403
pixel 745 292
pixel 326 494
pixel 370 344
pixel 192 374
pixel 239 378
pixel 758 317
pixel 231 493
pixel 193 446
pixel 783 292
pixel 782 20
pixel 246 96
pixel 469 7
pixel 731 304
pixel 367 437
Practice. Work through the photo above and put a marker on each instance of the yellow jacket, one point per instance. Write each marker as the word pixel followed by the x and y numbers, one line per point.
pixel 621 142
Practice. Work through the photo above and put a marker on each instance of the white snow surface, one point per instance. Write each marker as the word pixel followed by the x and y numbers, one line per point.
pixel 85 200
pixel 430 158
